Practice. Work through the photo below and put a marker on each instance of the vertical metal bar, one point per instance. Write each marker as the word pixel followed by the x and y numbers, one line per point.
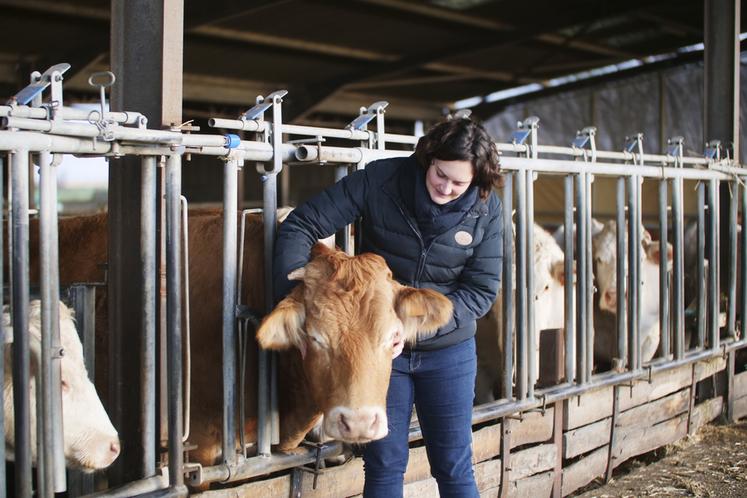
pixel 3 256
pixel 743 262
pixel 20 291
pixel 148 344
pixel 634 263
pixel 732 310
pixel 54 451
pixel 82 299
pixel 568 267
pixel 582 278
pixel 663 275
pixel 713 265
pixel 678 228
pixel 590 285
pixel 267 413
pixel 702 284
pixel 622 275
pixel 230 222
pixel 522 332
pixel 533 339
pixel 508 291
pixel 174 316
pixel 343 237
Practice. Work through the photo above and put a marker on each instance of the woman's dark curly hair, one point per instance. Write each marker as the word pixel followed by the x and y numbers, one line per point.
pixel 462 139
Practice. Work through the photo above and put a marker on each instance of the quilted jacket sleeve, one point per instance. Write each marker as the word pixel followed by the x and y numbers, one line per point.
pixel 323 215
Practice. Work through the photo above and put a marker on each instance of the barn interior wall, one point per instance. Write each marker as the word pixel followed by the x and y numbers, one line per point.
pixel 660 105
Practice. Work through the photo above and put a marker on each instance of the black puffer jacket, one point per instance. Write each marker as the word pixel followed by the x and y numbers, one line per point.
pixel 463 263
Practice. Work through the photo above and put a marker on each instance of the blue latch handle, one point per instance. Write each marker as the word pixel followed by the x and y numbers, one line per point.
pixel 232 141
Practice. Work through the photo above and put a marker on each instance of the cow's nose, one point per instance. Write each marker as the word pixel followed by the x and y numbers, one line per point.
pixel 114 448
pixel 609 300
pixel 358 425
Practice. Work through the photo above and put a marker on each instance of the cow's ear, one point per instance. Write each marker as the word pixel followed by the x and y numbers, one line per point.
pixel 283 327
pixel 421 311
pixel 557 270
pixel 653 251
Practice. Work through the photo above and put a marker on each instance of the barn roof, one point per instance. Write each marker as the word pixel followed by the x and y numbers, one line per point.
pixel 337 55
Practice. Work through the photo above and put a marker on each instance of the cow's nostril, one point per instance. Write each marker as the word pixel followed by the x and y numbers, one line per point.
pixel 114 448
pixel 344 423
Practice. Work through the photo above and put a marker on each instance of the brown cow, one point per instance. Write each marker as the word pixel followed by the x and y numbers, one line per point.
pixel 344 320
pixel 83 246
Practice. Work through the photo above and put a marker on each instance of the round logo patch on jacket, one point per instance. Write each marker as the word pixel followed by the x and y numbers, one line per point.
pixel 463 238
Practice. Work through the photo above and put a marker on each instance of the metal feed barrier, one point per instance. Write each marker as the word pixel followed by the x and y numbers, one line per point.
pixel 43 130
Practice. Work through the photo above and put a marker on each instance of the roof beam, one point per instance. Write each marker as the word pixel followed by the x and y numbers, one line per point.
pixel 494 25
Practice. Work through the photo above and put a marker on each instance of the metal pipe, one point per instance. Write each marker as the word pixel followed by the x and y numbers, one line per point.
pixel 508 291
pixel 702 284
pixel 663 274
pixel 732 306
pixel 19 166
pixel 714 288
pixel 122 117
pixel 743 252
pixel 522 333
pixel 3 332
pixel 622 274
pixel 134 488
pixel 148 343
pixel 616 169
pixel 344 235
pixel 678 228
pixel 237 124
pixel 260 465
pixel 174 316
pixel 532 343
pixel 230 227
pixel 569 280
pixel 634 263
pixel 51 347
pixel 355 155
pixel 582 279
pixel 89 130
pixel 590 274
pixel 267 395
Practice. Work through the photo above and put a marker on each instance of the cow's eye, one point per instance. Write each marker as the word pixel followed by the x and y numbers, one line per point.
pixel 316 341
pixel 65 385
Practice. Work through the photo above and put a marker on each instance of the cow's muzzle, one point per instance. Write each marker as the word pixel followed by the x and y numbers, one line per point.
pixel 359 425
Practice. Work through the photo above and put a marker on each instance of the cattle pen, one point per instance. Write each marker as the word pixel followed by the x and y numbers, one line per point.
pixel 562 415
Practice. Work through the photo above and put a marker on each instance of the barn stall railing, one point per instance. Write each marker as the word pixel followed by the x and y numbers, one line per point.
pixel 45 135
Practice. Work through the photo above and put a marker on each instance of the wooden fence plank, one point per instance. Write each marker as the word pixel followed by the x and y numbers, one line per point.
pixel 584 439
pixel 534 427
pixel 658 410
pixel 706 411
pixel 740 384
pixel 587 408
pixel 661 385
pixel 539 486
pixel 585 470
pixel 633 441
pixel 532 460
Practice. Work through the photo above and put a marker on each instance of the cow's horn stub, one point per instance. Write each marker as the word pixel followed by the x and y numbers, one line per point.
pixel 297 274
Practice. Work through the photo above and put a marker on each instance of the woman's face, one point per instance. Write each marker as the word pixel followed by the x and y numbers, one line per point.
pixel 447 180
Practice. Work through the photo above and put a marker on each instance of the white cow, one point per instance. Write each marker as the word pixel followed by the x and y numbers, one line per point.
pixel 605 274
pixel 90 440
pixel 549 313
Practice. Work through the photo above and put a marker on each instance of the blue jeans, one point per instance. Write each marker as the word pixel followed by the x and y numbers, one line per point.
pixel 442 385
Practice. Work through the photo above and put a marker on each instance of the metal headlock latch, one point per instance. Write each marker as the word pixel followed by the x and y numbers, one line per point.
pixel 102 80
pixel 713 150
pixel 585 141
pixel 367 115
pixel 37 87
pixel 263 103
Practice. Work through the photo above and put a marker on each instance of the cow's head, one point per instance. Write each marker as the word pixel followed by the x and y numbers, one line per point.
pixel 604 248
pixel 90 440
pixel 549 281
pixel 345 319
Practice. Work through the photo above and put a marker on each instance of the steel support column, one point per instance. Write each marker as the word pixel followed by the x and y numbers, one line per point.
pixel 146 57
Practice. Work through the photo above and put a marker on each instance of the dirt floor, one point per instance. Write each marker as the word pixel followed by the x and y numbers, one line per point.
pixel 710 463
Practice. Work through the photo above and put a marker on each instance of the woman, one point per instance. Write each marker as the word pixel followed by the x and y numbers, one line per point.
pixel 435 219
